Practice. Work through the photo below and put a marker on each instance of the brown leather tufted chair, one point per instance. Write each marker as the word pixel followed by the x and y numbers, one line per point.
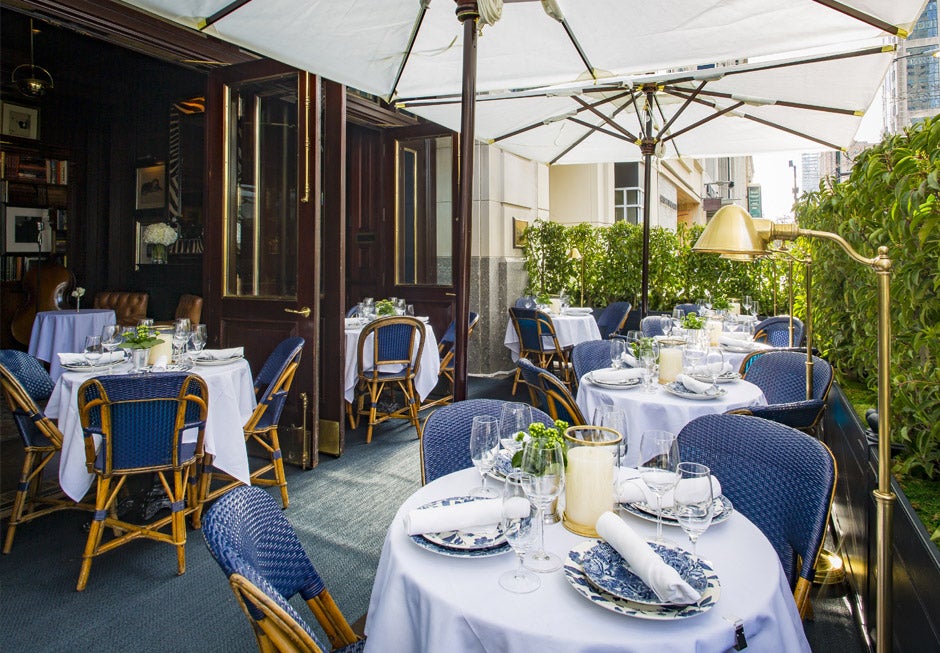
pixel 188 306
pixel 128 307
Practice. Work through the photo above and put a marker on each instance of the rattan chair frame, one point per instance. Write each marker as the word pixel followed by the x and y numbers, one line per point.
pixel 561 404
pixel 374 383
pixel 446 349
pixel 31 499
pixel 533 328
pixel 96 411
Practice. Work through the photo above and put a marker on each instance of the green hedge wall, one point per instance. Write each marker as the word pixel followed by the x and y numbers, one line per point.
pixel 892 197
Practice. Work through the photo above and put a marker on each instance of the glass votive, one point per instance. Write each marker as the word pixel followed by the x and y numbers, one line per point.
pixel 589 476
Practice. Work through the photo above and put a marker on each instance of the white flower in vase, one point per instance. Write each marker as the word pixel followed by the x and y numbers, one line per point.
pixel 160 235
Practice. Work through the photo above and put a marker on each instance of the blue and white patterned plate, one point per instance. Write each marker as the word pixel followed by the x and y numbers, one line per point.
pixel 607 570
pixel 723 509
pixel 482 538
pixel 724 377
pixel 574 574
pixel 623 384
pixel 680 390
pixel 502 467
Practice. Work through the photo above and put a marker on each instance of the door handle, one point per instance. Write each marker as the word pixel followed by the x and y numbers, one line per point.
pixel 303 310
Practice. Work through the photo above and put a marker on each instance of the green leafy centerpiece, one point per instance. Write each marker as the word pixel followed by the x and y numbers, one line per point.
pixel 551 435
pixel 693 321
pixel 384 307
pixel 141 338
pixel 721 304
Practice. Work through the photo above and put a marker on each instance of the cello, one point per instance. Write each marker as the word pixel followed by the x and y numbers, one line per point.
pixel 47 285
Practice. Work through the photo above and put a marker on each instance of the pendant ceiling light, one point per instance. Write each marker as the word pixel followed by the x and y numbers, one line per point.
pixel 29 78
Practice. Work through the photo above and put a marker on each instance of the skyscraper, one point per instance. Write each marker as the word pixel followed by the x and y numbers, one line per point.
pixel 912 85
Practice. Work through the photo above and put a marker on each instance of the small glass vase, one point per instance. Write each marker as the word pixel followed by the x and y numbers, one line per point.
pixel 158 254
pixel 78 304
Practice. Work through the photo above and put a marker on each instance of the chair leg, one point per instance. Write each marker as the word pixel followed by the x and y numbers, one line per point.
pixel 178 522
pixel 96 531
pixel 278 460
pixel 19 501
pixel 516 379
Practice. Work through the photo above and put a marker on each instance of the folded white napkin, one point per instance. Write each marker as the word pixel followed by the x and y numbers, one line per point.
pixel 578 310
pixel 610 375
pixel 628 359
pixel 159 365
pixel 353 323
pixel 483 512
pixel 79 359
pixel 706 370
pixel 222 354
pixel 698 387
pixel 644 562
pixel 634 490
pixel 741 343
pixel 732 336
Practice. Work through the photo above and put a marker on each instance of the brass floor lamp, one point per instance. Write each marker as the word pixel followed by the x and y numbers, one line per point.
pixel 733 231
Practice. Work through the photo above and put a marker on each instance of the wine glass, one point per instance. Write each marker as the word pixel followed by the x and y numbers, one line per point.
pixel 616 419
pixel 519 524
pixel 714 364
pixel 182 330
pixel 199 338
pixel 484 444
pixel 694 501
pixel 677 316
pixel 92 350
pixel 617 348
pixel 648 356
pixel 659 458
pixel 544 464
pixel 110 339
pixel 514 418
pixel 746 304
pixel 694 352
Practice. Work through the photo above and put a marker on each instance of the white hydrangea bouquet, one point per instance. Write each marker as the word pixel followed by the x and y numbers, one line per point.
pixel 159 235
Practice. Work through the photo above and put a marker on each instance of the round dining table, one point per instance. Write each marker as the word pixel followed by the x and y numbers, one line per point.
pixel 64 331
pixel 231 403
pixel 423 601
pixel 660 409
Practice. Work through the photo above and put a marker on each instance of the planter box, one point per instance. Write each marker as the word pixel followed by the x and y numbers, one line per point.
pixel 916 611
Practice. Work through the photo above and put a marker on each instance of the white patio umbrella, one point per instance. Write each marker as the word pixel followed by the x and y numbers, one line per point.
pixel 397 48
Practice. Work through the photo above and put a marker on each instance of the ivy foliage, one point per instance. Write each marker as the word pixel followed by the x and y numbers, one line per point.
pixel 891 198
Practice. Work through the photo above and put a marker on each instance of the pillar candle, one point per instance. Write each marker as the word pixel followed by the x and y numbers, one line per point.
pixel 589 484
pixel 163 349
pixel 670 364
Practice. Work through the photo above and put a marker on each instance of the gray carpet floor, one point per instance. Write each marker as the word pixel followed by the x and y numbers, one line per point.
pixel 341 511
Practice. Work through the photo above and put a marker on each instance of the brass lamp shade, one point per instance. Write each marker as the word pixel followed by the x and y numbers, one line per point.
pixel 730 231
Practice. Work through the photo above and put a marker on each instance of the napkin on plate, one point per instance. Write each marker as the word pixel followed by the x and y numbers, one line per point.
pixel 353 322
pixel 578 310
pixel 222 354
pixel 610 375
pixel 634 490
pixel 461 516
pixel 698 387
pixel 644 562
pixel 706 370
pixel 79 359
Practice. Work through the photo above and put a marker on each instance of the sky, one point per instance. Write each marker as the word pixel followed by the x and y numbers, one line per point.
pixel 775 176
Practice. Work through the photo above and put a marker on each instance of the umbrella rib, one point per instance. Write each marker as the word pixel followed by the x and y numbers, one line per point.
pixel 593 128
pixel 577 46
pixel 223 12
pixel 701 122
pixel 662 115
pixel 862 16
pixel 681 109
pixel 787 103
pixel 609 121
pixel 598 128
pixel 522 130
pixel 411 43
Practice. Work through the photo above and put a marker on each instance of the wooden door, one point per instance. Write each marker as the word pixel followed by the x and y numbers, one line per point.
pixel 261 266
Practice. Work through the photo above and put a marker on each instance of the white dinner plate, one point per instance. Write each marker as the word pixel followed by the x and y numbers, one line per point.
pixel 84 368
pixel 624 384
pixel 464 540
pixel 680 390
pixel 725 377
pixel 172 367
pixel 576 577
pixel 722 507
pixel 212 361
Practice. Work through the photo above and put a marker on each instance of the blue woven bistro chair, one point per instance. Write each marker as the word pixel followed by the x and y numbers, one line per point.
pixel 689 308
pixel 26 385
pixel 613 318
pixel 561 403
pixel 446 348
pixel 530 375
pixel 590 355
pixel 775 331
pixel 133 424
pixel 388 359
pixel 445 442
pixel 353 311
pixel 652 325
pixel 538 342
pixel 272 386
pixel 779 478
pixel 526 301
pixel 260 553
pixel 781 376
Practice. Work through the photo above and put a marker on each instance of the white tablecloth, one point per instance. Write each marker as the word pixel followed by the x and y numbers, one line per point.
pixel 231 402
pixel 422 601
pixel 428 368
pixel 570 330
pixel 65 331
pixel 661 410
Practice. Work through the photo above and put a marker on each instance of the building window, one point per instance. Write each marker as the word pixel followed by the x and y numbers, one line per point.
pixel 628 194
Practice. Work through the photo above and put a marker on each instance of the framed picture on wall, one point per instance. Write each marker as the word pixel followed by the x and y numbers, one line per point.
pixel 20 121
pixel 518 229
pixel 143 251
pixel 26 231
pixel 151 187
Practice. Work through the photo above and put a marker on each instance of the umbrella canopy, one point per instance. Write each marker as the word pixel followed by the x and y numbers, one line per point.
pixel 409 48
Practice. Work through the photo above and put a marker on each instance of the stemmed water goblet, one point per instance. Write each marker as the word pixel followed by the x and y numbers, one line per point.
pixel 648 357
pixel 544 464
pixel 484 445
pixel 659 458
pixel 92 350
pixel 182 330
pixel 693 353
pixel 714 364
pixel 694 500
pixel 111 338
pixel 514 418
pixel 677 316
pixel 617 348
pixel 199 338
pixel 519 524
pixel 746 304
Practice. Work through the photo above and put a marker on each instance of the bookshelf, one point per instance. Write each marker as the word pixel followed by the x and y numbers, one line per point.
pixel 34 186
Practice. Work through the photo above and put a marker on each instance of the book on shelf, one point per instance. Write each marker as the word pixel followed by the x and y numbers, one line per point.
pixel 34 168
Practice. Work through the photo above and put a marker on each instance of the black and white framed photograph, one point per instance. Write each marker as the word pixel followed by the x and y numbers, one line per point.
pixel 20 121
pixel 26 231
pixel 151 187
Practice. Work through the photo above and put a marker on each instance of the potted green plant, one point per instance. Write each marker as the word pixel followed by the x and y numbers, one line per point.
pixel 537 431
pixel 384 308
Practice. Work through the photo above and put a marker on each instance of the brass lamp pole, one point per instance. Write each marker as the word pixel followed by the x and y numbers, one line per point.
pixel 575 255
pixel 733 231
